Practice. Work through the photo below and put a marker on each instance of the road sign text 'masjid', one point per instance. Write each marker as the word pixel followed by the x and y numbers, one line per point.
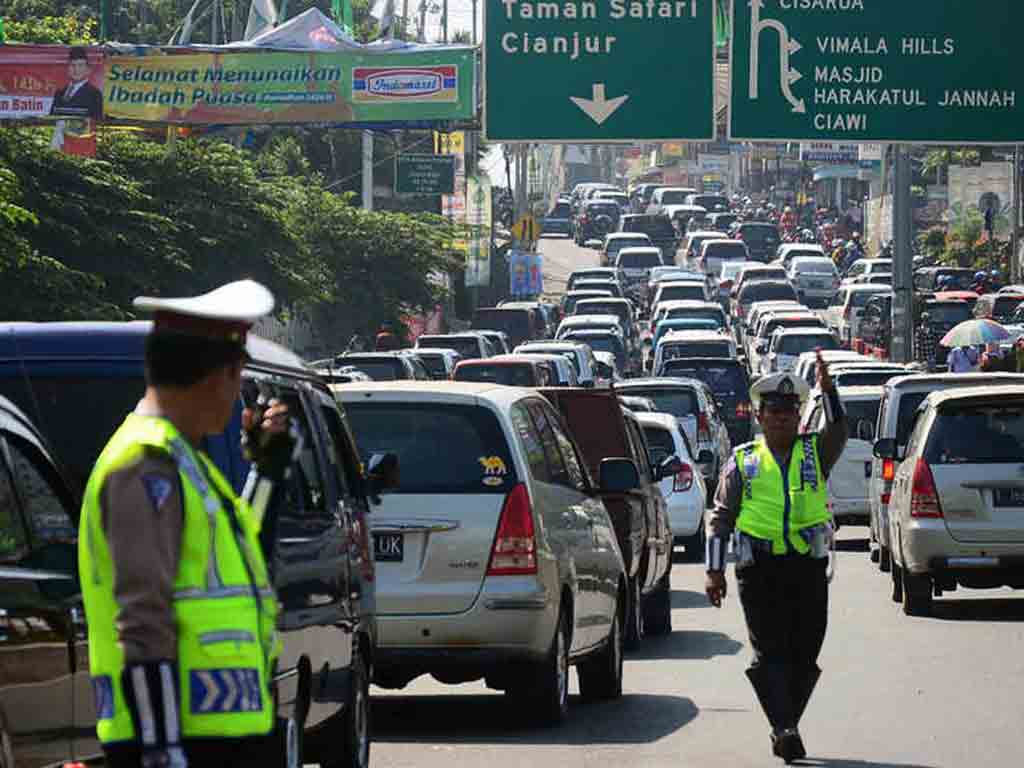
pixel 611 70
pixel 877 70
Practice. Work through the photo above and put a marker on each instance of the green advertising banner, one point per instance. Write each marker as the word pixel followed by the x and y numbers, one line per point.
pixel 425 174
pixel 936 71
pixel 283 87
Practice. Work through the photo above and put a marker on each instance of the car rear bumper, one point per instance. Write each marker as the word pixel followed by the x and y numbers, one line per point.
pixel 685 509
pixel 927 547
pixel 851 511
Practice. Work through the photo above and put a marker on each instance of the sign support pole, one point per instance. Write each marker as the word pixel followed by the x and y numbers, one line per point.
pixel 368 170
pixel 903 261
pixel 1014 275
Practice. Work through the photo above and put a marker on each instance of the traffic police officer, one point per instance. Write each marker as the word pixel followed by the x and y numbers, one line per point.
pixel 773 495
pixel 181 614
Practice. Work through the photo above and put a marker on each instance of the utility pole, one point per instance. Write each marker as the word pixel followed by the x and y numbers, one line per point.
pixel 405 19
pixel 903 261
pixel 215 22
pixel 444 21
pixel 422 32
pixel 474 20
pixel 1014 275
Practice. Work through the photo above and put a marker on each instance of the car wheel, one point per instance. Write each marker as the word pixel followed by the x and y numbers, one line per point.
pixel 550 690
pixel 917 594
pixel 658 607
pixel 355 736
pixel 695 544
pixel 601 674
pixel 634 616
pixel 884 559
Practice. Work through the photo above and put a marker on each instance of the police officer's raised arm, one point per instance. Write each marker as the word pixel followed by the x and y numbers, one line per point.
pixel 832 439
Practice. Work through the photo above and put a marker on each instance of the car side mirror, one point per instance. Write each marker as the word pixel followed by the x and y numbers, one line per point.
pixel 705 457
pixel 618 476
pixel 886 448
pixel 669 467
pixel 382 474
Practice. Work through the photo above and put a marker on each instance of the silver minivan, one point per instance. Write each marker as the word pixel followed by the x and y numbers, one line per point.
pixel 495 556
pixel 956 514
pixel 901 397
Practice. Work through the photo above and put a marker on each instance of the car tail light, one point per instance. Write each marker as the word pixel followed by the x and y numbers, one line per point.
pixel 924 499
pixel 515 548
pixel 847 311
pixel 888 470
pixel 743 410
pixel 703 428
pixel 726 284
pixel 683 480
pixel 884 498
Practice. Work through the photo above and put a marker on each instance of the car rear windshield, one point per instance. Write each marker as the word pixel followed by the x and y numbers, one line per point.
pixel 860 298
pixel 865 378
pixel 514 322
pixel 468 347
pixel 861 410
pixel 726 251
pixel 948 313
pixel 765 234
pixel 681 293
pixel 679 402
pixel 510 374
pixel 798 344
pixel 604 308
pixel 977 434
pixel 616 245
pixel 560 211
pixel 571 301
pixel 659 439
pixel 777 273
pixel 672 197
pixel 724 380
pixel 793 322
pixel 959 280
pixel 600 343
pixel 816 268
pixel 476 456
pixel 696 349
pixel 379 369
pixel 639 260
pixel 709 202
pixel 603 209
pixel 685 313
pixel 1005 306
pixel 600 285
pixel 767 292
pixel 655 227
pixel 434 365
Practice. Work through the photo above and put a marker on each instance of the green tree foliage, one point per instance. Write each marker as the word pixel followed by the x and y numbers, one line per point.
pixel 83 236
pixel 68 29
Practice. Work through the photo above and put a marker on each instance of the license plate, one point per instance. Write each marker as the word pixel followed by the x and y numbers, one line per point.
pixel 867 469
pixel 1008 497
pixel 388 547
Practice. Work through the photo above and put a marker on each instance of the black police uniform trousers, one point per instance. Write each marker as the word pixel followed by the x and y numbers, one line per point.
pixel 244 752
pixel 785 601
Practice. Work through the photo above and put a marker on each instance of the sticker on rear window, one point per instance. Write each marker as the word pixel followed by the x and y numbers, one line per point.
pixel 493 466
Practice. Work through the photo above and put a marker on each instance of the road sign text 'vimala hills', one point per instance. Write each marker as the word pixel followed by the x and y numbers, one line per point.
pixel 943 71
pixel 601 70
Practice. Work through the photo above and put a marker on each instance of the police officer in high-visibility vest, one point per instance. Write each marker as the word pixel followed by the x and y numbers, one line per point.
pixel 181 614
pixel 772 495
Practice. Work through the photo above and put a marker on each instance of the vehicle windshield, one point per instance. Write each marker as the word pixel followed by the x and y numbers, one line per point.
pixel 643 260
pixel 420 432
pixel 679 402
pixel 510 374
pixel 687 324
pixel 600 343
pixel 1005 306
pixel 860 298
pixel 571 301
pixel 909 404
pixel 865 378
pixel 676 350
pixel 958 280
pixel 797 344
pixel 514 322
pixel 697 313
pixel 776 273
pixel 977 434
pixel 822 267
pixel 602 308
pixel 655 227
pixel 600 285
pixel 858 411
pixel 378 368
pixel 673 197
pixel 726 251
pixel 681 293
pixel 767 292
pixel 435 366
pixel 467 346
pixel 659 439
pixel 724 380
pixel 617 244
pixel 764 234
pixel 710 202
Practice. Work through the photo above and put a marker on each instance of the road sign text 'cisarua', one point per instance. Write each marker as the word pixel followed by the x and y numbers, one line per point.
pixel 877 70
pixel 600 70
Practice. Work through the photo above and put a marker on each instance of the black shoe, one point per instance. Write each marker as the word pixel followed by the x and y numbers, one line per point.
pixel 788 745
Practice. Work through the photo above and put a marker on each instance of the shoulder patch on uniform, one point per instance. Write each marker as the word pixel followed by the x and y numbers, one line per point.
pixel 158 488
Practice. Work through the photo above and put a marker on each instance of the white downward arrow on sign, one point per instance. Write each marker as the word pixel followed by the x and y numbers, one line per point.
pixel 599 108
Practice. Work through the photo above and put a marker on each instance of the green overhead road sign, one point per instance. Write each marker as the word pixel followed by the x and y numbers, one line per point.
pixel 424 174
pixel 607 70
pixel 919 71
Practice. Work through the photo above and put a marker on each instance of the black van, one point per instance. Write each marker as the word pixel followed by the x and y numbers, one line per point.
pixel 519 324
pixel 78 381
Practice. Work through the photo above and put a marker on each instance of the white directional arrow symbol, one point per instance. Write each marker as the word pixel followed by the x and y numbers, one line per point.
pixel 794 76
pixel 793 45
pixel 599 108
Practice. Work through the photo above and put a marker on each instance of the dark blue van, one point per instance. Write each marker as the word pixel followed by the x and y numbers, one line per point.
pixel 77 381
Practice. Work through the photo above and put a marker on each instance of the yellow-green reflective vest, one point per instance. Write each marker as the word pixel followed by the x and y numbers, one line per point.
pixel 224 607
pixel 776 508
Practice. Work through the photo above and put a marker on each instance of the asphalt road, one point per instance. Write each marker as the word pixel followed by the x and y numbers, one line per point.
pixel 896 691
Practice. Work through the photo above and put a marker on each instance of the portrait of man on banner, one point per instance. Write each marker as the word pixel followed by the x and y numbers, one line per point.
pixel 79 104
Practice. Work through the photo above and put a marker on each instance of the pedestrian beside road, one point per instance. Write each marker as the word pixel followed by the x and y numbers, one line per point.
pixel 963 359
pixel 387 340
pixel 772 495
pixel 180 609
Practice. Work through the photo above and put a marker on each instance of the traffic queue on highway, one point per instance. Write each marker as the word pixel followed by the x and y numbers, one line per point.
pixel 504 502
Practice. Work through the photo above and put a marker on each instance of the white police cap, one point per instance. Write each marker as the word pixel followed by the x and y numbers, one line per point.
pixel 224 313
pixel 779 385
